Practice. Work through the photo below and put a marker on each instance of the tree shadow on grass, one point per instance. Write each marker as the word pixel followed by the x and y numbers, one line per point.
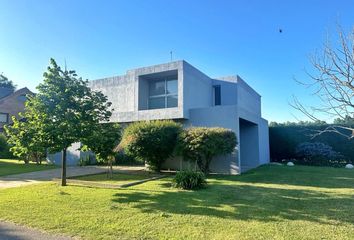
pixel 243 202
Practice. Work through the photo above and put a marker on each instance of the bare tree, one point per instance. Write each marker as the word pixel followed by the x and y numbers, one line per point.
pixel 333 83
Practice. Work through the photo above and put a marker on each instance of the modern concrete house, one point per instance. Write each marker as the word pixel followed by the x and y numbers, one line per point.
pixel 11 104
pixel 179 91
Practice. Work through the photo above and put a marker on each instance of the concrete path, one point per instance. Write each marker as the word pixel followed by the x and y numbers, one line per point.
pixel 11 231
pixel 47 175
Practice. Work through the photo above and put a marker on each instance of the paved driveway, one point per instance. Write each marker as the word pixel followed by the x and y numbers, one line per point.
pixel 47 175
pixel 11 231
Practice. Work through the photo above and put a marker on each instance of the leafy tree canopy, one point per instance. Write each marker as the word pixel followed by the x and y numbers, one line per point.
pixel 102 141
pixel 6 83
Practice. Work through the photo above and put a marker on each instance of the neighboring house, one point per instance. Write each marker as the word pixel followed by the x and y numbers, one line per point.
pixel 11 104
pixel 179 91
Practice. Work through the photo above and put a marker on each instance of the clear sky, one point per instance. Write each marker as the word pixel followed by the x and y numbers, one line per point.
pixel 220 37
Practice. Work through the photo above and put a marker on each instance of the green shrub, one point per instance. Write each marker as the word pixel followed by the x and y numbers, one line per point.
pixel 125 159
pixel 201 144
pixel 189 180
pixel 151 141
pixel 318 154
pixel 4 147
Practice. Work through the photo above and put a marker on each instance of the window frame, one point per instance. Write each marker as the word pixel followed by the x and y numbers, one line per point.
pixel 165 95
pixel 7 117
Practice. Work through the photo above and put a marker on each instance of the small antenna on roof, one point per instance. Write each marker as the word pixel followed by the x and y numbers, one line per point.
pixel 65 63
pixel 171 55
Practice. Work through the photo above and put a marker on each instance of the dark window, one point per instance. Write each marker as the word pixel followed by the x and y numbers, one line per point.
pixel 217 95
pixel 4 117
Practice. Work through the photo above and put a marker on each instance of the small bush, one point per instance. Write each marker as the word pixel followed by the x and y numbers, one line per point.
pixel 151 141
pixel 125 159
pixel 189 180
pixel 318 154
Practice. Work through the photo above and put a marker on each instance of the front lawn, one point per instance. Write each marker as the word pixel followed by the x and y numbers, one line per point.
pixel 271 202
pixel 12 166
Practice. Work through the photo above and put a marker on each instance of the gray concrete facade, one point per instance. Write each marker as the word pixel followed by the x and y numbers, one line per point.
pixel 238 109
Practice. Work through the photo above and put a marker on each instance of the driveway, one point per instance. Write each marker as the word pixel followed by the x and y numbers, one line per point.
pixel 11 231
pixel 47 175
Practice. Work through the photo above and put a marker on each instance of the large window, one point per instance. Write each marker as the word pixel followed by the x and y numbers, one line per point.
pixel 4 117
pixel 163 93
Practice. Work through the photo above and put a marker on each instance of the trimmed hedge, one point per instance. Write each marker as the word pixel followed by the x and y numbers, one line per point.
pixel 201 144
pixel 285 138
pixel 151 141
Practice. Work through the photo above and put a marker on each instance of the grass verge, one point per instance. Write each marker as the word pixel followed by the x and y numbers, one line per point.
pixel 271 202
pixel 12 166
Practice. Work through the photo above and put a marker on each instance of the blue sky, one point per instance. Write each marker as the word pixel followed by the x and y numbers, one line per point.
pixel 220 37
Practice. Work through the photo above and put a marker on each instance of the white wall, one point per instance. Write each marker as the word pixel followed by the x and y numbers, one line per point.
pixel 248 99
pixel 228 92
pixel 197 89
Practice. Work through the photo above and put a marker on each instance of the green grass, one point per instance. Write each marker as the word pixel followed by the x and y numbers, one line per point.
pixel 117 178
pixel 271 202
pixel 12 166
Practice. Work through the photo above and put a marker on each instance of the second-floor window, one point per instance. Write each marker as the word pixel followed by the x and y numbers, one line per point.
pixel 163 93
pixel 4 118
pixel 217 95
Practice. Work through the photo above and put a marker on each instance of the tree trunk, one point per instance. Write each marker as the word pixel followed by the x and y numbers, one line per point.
pixel 63 168
pixel 207 164
pixel 26 159
pixel 200 164
pixel 111 169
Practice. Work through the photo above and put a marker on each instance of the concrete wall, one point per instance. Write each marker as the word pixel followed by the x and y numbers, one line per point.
pixel 248 100
pixel 249 145
pixel 73 156
pixel 119 90
pixel 123 92
pixel 264 155
pixel 197 89
pixel 228 92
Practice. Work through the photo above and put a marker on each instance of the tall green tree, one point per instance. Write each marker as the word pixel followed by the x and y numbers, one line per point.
pixel 6 83
pixel 65 110
pixel 26 137
pixel 102 141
